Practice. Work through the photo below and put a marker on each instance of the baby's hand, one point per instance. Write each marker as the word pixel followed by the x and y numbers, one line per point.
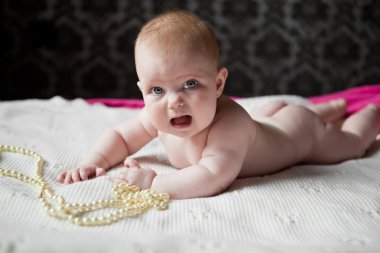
pixel 130 163
pixel 134 174
pixel 81 173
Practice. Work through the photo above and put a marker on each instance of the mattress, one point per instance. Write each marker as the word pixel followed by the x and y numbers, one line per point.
pixel 305 208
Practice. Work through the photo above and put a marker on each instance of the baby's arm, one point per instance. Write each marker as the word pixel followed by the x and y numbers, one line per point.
pixel 211 176
pixel 219 166
pixel 215 171
pixel 112 148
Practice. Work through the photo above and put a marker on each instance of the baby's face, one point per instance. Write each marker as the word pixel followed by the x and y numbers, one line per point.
pixel 180 92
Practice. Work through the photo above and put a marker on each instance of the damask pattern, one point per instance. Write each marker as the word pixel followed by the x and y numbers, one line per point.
pixel 84 48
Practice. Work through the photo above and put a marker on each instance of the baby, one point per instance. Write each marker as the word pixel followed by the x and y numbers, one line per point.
pixel 210 138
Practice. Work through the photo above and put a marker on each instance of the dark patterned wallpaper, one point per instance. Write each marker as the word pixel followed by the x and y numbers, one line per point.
pixel 84 48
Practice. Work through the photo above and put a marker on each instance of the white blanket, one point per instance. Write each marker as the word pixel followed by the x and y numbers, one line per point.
pixel 308 208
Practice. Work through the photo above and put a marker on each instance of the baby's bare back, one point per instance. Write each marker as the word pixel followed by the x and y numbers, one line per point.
pixel 282 140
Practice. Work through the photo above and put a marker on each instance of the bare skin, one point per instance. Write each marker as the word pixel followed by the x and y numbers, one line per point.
pixel 211 139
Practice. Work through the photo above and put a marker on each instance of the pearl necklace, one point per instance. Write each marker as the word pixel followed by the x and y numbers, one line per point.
pixel 128 199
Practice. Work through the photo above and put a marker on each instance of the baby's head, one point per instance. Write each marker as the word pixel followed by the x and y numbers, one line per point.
pixel 178 33
pixel 177 62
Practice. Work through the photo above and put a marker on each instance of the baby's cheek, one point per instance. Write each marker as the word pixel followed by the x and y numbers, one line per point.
pixel 160 122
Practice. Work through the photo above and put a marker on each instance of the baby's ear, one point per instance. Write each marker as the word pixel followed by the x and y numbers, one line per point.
pixel 221 78
pixel 139 85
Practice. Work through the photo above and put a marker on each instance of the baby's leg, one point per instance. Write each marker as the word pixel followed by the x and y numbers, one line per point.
pixel 331 111
pixel 364 124
pixel 351 141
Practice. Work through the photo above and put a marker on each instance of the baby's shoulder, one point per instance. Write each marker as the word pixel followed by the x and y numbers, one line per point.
pixel 228 108
pixel 232 115
pixel 233 128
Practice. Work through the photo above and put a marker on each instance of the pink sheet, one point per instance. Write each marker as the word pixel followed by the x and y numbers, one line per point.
pixel 357 98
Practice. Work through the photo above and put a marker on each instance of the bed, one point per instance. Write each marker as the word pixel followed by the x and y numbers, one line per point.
pixel 313 208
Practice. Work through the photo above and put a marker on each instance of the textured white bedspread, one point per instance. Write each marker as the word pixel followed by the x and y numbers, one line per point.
pixel 308 208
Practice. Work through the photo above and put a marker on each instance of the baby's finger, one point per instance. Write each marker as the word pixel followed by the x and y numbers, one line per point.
pixel 75 176
pixel 61 177
pixel 100 172
pixel 130 162
pixel 68 179
pixel 120 178
pixel 83 174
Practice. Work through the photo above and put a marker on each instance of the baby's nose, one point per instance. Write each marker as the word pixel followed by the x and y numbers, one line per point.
pixel 175 101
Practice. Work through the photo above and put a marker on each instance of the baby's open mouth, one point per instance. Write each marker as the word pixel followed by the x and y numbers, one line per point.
pixel 181 122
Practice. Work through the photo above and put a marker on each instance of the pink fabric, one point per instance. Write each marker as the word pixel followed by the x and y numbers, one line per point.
pixel 357 98
pixel 111 102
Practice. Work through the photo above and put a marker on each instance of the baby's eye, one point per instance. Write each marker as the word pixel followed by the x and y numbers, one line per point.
pixel 190 84
pixel 157 90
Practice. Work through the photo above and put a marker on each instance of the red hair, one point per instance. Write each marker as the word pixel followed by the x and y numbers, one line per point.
pixel 179 32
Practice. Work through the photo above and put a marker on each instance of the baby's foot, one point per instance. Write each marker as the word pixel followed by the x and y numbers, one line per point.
pixel 331 111
pixel 376 114
pixel 365 124
pixel 373 107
